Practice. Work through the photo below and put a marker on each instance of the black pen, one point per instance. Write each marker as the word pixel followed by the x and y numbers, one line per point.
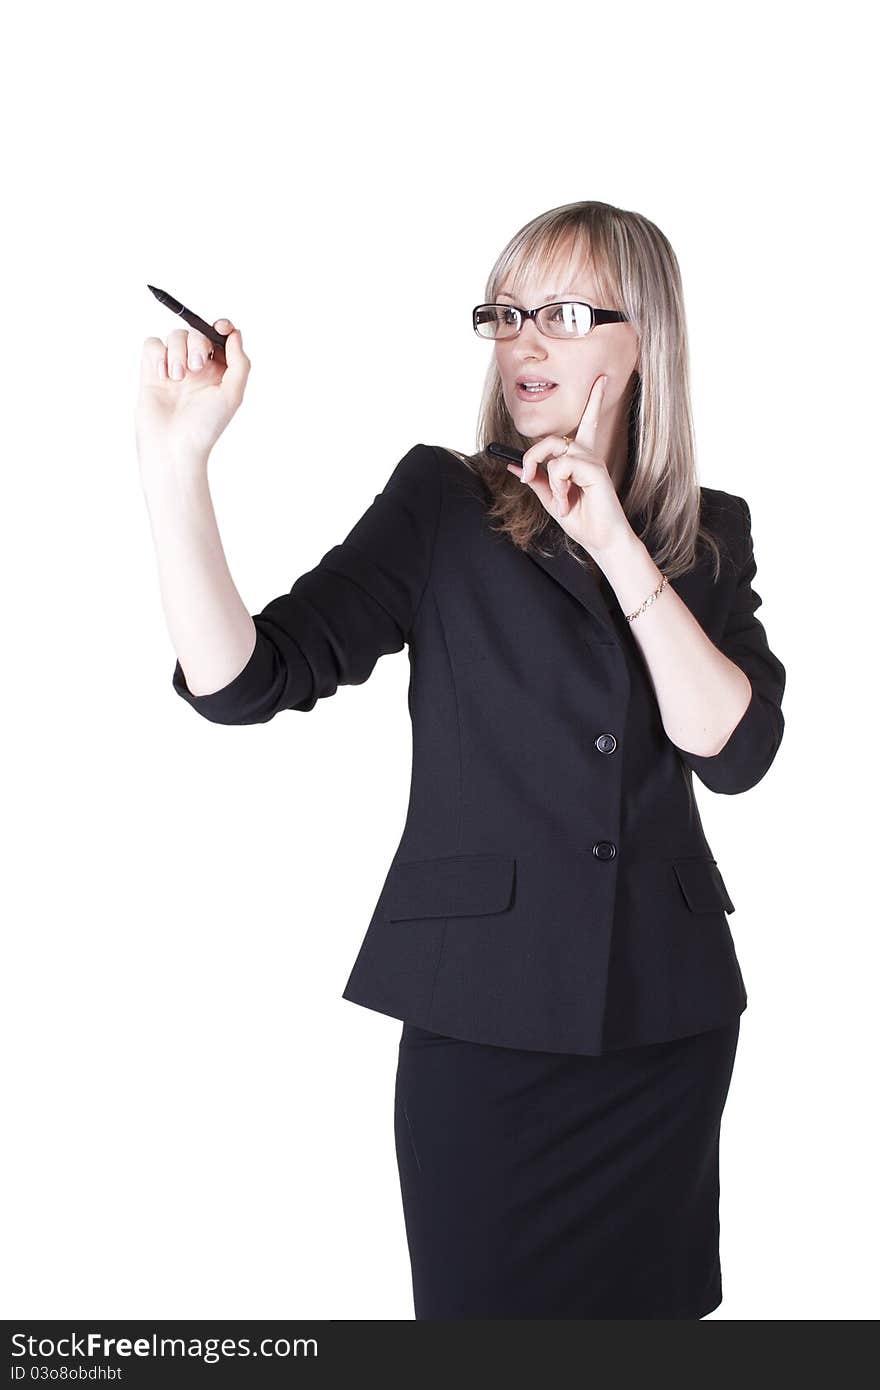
pixel 505 451
pixel 218 339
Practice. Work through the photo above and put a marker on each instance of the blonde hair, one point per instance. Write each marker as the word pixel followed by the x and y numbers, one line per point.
pixel 637 272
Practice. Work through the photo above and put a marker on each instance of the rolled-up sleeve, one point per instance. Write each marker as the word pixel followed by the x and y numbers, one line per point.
pixel 754 743
pixel 358 603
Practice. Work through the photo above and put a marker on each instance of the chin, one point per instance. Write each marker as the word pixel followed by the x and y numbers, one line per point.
pixel 550 419
pixel 549 425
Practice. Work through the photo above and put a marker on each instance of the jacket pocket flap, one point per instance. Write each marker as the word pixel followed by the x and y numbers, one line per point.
pixel 702 885
pixel 459 885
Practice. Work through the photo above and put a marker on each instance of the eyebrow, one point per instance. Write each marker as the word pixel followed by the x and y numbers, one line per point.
pixel 551 298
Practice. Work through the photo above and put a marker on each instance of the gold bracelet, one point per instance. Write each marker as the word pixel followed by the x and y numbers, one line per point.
pixel 649 600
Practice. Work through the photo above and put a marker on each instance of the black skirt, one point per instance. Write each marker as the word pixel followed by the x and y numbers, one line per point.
pixel 549 1185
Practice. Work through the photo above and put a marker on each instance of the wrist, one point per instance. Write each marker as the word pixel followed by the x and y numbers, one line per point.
pixel 180 466
pixel 623 547
pixel 627 565
pixel 176 482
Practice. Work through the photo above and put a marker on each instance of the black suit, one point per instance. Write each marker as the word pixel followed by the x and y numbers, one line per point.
pixel 553 888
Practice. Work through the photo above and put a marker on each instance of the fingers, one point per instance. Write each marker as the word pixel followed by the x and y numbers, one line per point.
pixel 187 350
pixel 152 361
pixel 198 349
pixel 557 481
pixel 547 449
pixel 586 430
pixel 552 487
pixel 225 327
pixel 237 362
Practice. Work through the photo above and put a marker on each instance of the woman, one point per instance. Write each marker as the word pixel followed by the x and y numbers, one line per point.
pixel 582 639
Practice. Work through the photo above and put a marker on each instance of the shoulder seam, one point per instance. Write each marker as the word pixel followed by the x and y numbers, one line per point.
pixel 438 471
pixel 747 530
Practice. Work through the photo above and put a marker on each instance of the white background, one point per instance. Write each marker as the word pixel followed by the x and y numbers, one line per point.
pixel 199 1125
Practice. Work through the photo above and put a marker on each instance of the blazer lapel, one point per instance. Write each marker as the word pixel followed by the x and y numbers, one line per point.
pixel 581 584
pixel 692 588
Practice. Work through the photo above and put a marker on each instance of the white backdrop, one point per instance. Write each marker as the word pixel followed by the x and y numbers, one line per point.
pixel 199 1125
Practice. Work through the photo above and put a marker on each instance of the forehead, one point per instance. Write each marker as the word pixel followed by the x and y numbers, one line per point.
pixel 541 277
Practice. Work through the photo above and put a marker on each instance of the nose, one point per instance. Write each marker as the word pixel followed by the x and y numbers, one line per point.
pixel 529 341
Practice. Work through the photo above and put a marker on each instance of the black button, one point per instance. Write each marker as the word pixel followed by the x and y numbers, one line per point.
pixel 606 743
pixel 604 849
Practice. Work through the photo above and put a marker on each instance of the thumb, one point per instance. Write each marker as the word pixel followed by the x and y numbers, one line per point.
pixel 237 363
pixel 232 334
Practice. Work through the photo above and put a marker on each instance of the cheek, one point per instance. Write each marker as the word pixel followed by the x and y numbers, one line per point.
pixel 582 378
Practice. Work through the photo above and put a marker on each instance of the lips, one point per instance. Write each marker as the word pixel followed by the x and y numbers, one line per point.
pixel 524 394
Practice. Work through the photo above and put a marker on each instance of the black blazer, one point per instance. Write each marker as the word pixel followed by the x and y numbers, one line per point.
pixel 553 887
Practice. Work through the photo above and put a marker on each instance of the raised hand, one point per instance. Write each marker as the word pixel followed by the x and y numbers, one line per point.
pixel 577 488
pixel 185 403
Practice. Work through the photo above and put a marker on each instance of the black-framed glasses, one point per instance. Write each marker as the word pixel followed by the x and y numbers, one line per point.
pixel 570 319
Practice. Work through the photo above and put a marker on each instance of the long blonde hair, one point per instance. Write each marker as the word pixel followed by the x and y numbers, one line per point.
pixel 637 272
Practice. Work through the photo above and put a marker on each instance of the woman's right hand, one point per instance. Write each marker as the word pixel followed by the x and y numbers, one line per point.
pixel 182 407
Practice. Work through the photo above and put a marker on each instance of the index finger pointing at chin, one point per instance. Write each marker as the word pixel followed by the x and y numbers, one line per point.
pixel 586 430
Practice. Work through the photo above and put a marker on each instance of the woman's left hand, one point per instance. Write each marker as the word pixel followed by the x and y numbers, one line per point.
pixel 577 489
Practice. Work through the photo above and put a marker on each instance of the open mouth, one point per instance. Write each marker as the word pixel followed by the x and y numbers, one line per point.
pixel 538 392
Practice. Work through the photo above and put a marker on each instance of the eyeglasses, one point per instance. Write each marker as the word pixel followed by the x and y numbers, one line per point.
pixel 571 319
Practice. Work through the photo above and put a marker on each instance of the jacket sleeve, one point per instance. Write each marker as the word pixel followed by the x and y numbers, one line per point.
pixel 357 604
pixel 753 745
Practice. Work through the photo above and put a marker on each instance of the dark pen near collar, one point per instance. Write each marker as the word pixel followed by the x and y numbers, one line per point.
pixel 218 339
pixel 505 451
